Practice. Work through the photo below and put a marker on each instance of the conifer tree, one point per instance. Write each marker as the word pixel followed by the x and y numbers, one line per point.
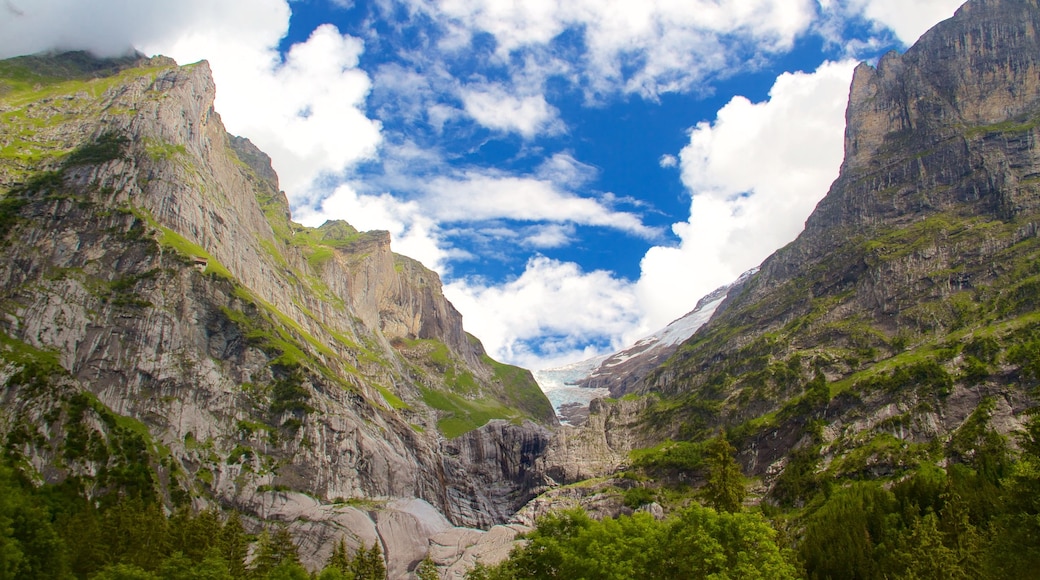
pixel 725 488
pixel 339 558
pixel 922 554
pixel 263 557
pixel 273 550
pixel 427 570
pixel 368 563
pixel 232 545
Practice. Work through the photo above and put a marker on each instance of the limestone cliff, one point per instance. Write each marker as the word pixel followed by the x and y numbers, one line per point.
pixel 908 304
pixel 871 324
pixel 155 294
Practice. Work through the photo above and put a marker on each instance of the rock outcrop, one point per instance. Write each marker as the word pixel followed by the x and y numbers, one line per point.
pixel 904 309
pixel 152 277
pixel 872 319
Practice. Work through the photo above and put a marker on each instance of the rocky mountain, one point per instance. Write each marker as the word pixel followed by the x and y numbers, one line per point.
pixel 909 303
pixel 165 327
pixel 572 387
pixel 621 371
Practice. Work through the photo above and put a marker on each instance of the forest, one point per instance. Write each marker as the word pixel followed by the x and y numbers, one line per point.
pixel 976 517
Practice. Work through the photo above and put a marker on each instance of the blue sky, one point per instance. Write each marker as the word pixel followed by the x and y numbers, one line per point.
pixel 579 172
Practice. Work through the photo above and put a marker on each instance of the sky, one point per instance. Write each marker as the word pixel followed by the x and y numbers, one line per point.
pixel 579 172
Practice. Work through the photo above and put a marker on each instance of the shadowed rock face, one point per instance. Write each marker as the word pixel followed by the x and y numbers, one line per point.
pixel 271 368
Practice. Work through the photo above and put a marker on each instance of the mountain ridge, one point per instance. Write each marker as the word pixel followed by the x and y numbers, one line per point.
pixel 920 252
pixel 166 329
pixel 154 278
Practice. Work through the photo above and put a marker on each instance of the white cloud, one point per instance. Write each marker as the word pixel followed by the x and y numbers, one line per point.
pixel 553 303
pixel 498 109
pixel 549 236
pixel 476 196
pixel 307 113
pixel 906 20
pixel 564 170
pixel 755 173
pixel 634 46
pixel 909 20
pixel 110 27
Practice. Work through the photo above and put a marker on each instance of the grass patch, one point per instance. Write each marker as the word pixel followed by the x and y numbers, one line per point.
pixel 159 150
pixel 465 415
pixel 393 400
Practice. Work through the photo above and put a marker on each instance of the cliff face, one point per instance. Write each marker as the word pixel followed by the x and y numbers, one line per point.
pixel 151 278
pixel 908 302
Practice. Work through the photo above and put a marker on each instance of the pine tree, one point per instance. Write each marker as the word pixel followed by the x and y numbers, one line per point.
pixel 232 545
pixel 284 546
pixel 725 488
pixel 368 563
pixel 427 570
pixel 273 550
pixel 339 558
pixel 922 553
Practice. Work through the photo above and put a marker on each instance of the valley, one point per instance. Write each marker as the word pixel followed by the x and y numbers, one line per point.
pixel 180 357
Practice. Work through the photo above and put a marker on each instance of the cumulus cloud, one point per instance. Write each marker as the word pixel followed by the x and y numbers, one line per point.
pixel 633 45
pixel 498 109
pixel 909 20
pixel 755 174
pixel 306 112
pixel 549 314
pixel 906 20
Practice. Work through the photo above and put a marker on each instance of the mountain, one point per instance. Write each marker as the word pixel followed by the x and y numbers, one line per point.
pixel 572 387
pixel 167 331
pixel 622 370
pixel 906 312
pixel 168 334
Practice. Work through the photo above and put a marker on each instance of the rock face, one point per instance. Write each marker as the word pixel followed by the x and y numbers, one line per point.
pixel 872 321
pixel 905 307
pixel 151 276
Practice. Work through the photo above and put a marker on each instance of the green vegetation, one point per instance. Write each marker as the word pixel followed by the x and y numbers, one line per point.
pixel 466 403
pixel 366 564
pixel 35 366
pixel 107 147
pixel 975 518
pixel 162 151
pixel 725 489
pixel 464 414
pixel 54 532
pixel 521 390
pixel 697 542
pixel 675 457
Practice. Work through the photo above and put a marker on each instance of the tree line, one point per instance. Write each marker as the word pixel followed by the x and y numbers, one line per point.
pixel 978 516
pixel 54 532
